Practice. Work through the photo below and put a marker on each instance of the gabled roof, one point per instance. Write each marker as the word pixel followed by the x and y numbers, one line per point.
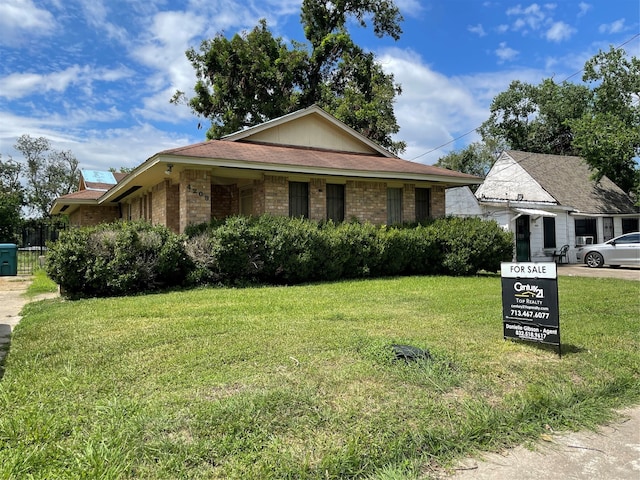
pixel 313 118
pixel 307 142
pixel 568 179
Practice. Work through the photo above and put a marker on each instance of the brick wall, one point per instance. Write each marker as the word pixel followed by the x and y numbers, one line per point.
pixel 88 215
pixel 437 202
pixel 318 199
pixel 165 205
pixel 258 197
pixel 173 207
pixel 366 201
pixel 276 195
pixel 225 200
pixel 135 209
pixel 409 203
pixel 195 198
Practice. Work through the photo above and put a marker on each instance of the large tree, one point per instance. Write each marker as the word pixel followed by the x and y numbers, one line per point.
pixel 475 159
pixel 535 118
pixel 11 199
pixel 254 77
pixel 599 121
pixel 607 136
pixel 48 173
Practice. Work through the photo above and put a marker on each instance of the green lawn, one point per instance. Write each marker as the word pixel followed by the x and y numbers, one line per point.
pixel 300 382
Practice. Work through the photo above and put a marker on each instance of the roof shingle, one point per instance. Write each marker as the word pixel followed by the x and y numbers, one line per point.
pixel 568 179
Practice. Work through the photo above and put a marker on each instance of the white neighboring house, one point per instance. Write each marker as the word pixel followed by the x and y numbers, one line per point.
pixel 548 201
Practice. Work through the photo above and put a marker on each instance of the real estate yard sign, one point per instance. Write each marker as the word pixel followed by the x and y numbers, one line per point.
pixel 530 302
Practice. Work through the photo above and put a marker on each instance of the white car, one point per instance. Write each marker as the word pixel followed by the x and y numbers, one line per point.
pixel 622 250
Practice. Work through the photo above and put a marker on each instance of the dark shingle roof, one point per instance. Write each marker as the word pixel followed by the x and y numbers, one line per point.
pixel 568 180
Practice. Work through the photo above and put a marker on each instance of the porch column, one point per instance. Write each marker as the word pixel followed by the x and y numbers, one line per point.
pixel 195 198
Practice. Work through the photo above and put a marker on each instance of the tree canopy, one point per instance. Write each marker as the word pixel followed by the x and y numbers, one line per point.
pixel 254 77
pixel 47 173
pixel 475 159
pixel 11 199
pixel 599 121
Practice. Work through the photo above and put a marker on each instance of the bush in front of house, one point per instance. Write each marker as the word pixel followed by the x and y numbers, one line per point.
pixel 468 245
pixel 118 259
pixel 281 250
pixel 131 257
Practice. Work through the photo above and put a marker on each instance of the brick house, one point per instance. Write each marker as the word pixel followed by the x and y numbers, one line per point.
pixel 306 163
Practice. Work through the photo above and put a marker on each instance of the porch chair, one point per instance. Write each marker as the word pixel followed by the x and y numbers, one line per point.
pixel 558 255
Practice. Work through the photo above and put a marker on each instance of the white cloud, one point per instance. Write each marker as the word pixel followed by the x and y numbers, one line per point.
pixel 98 149
pixel 506 53
pixel 559 31
pixel 614 27
pixel 477 29
pixel 584 8
pixel 19 85
pixel 532 16
pixel 433 109
pixel 96 15
pixel 408 8
pixel 21 20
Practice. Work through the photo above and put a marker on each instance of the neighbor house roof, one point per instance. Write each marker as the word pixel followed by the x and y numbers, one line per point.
pixel 568 180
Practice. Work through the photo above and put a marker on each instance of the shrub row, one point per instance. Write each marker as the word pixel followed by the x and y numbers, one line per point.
pixel 125 257
pixel 117 259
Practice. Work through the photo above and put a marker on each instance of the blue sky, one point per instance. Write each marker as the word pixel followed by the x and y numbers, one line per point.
pixel 96 76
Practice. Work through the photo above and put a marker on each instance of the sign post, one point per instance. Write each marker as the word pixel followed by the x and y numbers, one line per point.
pixel 530 302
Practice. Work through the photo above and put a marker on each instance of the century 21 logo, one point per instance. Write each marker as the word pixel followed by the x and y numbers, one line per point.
pixel 528 291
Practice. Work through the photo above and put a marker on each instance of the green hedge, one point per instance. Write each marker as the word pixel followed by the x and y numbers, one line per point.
pixel 280 250
pixel 118 259
pixel 125 257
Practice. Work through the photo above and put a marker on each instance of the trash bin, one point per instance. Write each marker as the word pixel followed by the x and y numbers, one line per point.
pixel 8 259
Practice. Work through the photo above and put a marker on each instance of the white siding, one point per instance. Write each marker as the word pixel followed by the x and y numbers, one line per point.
pixel 507 180
pixel 460 202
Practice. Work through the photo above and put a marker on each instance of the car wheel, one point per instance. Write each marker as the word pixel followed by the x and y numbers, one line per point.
pixel 594 260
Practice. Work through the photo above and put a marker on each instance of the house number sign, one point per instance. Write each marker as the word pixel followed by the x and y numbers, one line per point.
pixel 530 302
pixel 197 192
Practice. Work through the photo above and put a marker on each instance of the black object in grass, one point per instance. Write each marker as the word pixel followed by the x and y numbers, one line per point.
pixel 409 353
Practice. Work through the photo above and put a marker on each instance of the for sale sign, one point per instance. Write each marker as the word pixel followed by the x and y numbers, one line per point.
pixel 530 302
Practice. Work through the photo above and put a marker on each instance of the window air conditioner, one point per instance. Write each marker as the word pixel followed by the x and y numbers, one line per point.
pixel 584 240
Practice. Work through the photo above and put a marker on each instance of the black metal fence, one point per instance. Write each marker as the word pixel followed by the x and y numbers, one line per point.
pixel 32 249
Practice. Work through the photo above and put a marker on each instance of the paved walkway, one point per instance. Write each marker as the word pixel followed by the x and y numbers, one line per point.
pixel 12 300
pixel 611 453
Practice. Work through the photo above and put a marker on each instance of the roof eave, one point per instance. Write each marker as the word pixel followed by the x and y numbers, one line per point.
pixel 314 170
pixel 68 206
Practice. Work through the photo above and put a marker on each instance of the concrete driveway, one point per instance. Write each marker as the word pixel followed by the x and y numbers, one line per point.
pixel 625 272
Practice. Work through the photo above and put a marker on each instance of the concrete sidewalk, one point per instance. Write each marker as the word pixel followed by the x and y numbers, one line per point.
pixel 611 453
pixel 12 301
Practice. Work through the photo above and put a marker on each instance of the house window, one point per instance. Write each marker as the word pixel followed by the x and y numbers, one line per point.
pixel 335 202
pixel 246 202
pixel 586 227
pixel 629 225
pixel 394 206
pixel 298 199
pixel 423 204
pixel 549 226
